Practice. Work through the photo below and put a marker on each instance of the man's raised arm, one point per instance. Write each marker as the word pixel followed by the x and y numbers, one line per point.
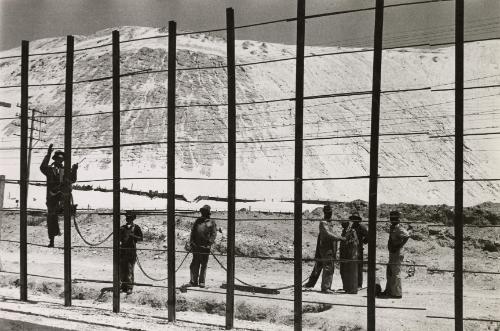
pixel 44 167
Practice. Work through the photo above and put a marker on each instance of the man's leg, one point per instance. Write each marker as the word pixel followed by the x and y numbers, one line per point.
pixel 318 266
pixel 360 270
pixel 123 274
pixel 393 287
pixel 313 278
pixel 328 268
pixel 352 276
pixel 195 268
pixel 203 269
pixel 52 221
pixel 130 280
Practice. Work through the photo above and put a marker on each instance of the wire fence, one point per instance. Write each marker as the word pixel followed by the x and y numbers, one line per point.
pixel 300 19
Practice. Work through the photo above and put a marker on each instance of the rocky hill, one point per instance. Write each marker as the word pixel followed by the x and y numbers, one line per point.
pixel 425 112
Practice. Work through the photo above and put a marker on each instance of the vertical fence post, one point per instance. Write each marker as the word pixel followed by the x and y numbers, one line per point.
pixel 172 38
pixel 23 190
pixel 374 144
pixel 231 168
pixel 68 123
pixel 459 162
pixel 2 193
pixel 299 122
pixel 116 171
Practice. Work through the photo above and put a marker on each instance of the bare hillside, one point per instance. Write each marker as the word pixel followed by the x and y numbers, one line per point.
pixel 424 113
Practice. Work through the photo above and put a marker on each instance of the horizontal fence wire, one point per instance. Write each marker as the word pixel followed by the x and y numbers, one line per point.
pixel 42 182
pixel 434 270
pixel 466 180
pixel 466 134
pixel 30 244
pixel 32 275
pixel 467 226
pixel 465 42
pixel 223 142
pixel 292 19
pixel 274 258
pixel 140 212
pixel 467 88
pixel 333 13
pixel 209 105
pixel 303 301
pixel 470 319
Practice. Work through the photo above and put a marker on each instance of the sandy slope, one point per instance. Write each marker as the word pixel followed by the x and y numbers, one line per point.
pixel 418 111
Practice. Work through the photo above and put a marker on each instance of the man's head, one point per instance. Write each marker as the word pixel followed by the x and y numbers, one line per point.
pixel 327 211
pixel 344 224
pixel 58 157
pixel 130 217
pixel 205 211
pixel 394 216
pixel 355 216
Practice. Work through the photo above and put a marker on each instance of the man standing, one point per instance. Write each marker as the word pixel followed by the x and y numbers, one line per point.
pixel 348 259
pixel 130 234
pixel 55 182
pixel 203 234
pixel 326 253
pixel 362 234
pixel 398 236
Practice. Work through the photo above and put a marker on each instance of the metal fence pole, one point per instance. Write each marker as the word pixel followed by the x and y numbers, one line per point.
pixel 68 123
pixel 374 149
pixel 172 38
pixel 231 168
pixel 299 122
pixel 23 198
pixel 116 171
pixel 459 161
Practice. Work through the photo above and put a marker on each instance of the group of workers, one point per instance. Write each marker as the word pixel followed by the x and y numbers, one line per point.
pixel 353 237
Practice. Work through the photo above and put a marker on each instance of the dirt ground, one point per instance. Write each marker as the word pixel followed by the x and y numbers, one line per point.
pixel 145 309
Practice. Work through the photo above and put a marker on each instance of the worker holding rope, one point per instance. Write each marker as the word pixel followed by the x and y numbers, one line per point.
pixel 398 236
pixel 55 181
pixel 348 254
pixel 326 253
pixel 362 235
pixel 130 234
pixel 203 234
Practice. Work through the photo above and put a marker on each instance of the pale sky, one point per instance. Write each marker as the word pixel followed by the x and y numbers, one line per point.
pixel 35 19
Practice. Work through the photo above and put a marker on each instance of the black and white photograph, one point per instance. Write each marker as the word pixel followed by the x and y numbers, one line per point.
pixel 249 165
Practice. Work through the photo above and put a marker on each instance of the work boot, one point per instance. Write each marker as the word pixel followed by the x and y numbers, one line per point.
pixel 51 243
pixel 202 285
pixel 129 291
pixel 328 291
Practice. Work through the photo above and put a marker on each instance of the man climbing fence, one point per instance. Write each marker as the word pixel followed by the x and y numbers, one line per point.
pixel 55 182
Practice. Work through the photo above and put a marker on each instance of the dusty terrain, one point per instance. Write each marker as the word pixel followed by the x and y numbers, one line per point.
pixel 432 292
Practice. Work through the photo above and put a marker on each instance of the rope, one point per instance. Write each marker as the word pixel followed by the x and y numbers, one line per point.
pixel 184 259
pixel 146 274
pixel 256 286
pixel 80 233
pixel 160 279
